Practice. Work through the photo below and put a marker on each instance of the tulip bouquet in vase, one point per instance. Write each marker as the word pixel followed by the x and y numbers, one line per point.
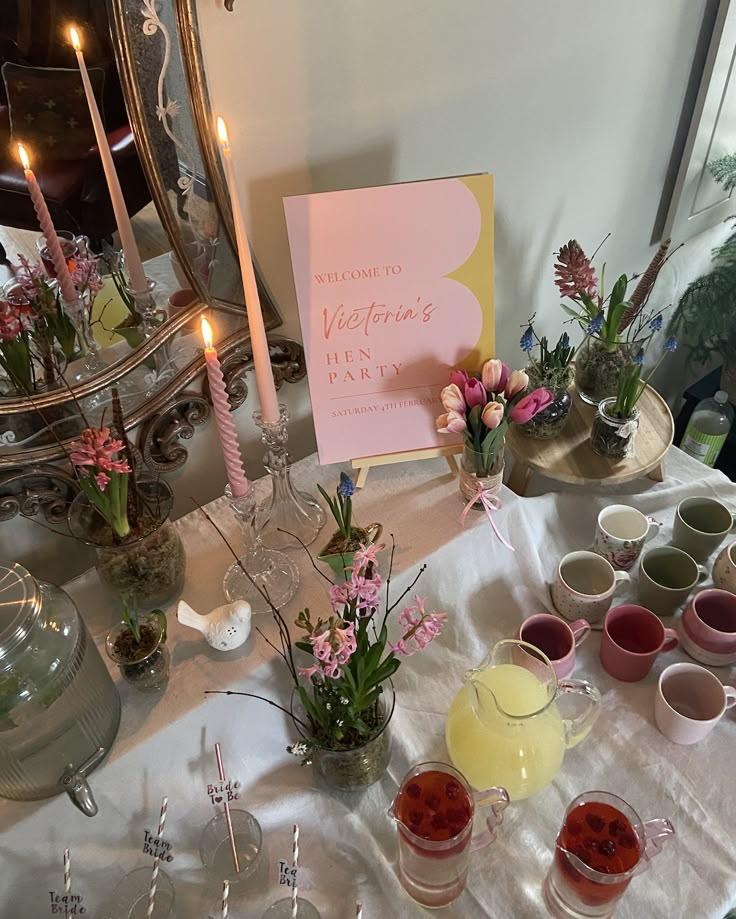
pixel 481 409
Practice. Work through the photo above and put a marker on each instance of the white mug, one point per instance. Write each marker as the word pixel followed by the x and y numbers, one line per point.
pixel 689 702
pixel 620 534
pixel 584 586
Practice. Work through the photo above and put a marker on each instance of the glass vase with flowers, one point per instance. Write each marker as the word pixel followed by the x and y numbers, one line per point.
pixel 348 537
pixel 481 409
pixel 137 645
pixel 617 419
pixel 551 369
pixel 126 519
pixel 343 700
pixel 610 343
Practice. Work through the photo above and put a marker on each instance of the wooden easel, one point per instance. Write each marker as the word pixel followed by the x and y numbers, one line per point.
pixel 364 463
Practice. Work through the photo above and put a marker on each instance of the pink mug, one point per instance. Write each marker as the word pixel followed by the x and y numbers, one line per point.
pixel 689 702
pixel 555 638
pixel 708 628
pixel 632 638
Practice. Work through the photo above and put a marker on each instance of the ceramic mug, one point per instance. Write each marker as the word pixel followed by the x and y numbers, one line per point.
pixel 701 525
pixel 620 534
pixel 632 639
pixel 724 570
pixel 689 702
pixel 554 638
pixel 666 577
pixel 584 586
pixel 708 628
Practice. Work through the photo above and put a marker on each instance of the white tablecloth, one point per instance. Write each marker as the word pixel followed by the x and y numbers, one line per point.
pixel 165 744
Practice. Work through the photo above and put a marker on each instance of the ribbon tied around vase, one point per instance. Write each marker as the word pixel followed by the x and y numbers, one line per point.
pixel 488 497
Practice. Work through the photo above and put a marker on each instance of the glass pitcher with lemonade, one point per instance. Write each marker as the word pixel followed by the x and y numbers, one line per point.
pixel 504 727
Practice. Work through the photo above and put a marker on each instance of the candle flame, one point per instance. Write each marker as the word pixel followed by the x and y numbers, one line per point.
pixel 206 333
pixel 24 157
pixel 74 36
pixel 222 132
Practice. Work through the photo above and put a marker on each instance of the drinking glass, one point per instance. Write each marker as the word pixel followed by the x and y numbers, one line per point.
pixel 68 244
pixel 130 897
pixel 281 909
pixel 217 854
pixel 434 812
pixel 603 843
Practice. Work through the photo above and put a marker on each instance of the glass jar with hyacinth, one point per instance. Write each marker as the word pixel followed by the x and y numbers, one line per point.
pixel 126 519
pixel 611 341
pixel 343 700
pixel 340 550
pixel 552 369
pixel 617 419
pixel 481 409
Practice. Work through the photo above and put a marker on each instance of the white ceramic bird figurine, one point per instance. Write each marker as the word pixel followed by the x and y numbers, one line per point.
pixel 225 628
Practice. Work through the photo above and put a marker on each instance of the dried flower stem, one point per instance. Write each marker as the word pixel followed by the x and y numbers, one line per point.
pixel 645 285
pixel 251 695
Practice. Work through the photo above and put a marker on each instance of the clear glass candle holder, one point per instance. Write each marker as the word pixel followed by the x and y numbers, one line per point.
pixel 281 909
pixel 217 854
pixel 130 897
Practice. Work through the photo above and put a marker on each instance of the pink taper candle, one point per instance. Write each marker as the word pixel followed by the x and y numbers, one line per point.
pixel 68 291
pixel 221 404
pixel 133 262
pixel 259 343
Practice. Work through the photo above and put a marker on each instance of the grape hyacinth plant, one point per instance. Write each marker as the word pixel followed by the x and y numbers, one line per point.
pixel 482 408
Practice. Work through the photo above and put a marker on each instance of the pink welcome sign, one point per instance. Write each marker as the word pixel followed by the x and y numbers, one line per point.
pixel 395 287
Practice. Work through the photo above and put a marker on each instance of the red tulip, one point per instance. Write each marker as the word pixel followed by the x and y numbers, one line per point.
pixel 517 382
pixel 459 378
pixel 528 406
pixel 452 399
pixel 494 375
pixel 451 423
pixel 492 415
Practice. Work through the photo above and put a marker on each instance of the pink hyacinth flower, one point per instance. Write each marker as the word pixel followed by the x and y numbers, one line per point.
pixel 530 405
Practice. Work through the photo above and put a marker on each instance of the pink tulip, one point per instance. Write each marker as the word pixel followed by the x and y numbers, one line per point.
pixel 459 378
pixel 494 375
pixel 452 399
pixel 451 423
pixel 518 381
pixel 475 393
pixel 527 407
pixel 492 415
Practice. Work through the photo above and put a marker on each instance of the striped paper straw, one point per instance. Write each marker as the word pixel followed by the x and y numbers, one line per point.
pixel 295 865
pixel 67 871
pixel 358 910
pixel 225 895
pixel 156 861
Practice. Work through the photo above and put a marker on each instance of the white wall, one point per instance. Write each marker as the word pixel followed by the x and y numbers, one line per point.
pixel 573 105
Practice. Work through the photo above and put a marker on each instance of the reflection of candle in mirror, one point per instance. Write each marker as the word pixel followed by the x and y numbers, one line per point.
pixel 133 261
pixel 68 291
pixel 261 357
pixel 221 404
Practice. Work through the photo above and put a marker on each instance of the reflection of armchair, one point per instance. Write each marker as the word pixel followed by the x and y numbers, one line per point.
pixel 75 189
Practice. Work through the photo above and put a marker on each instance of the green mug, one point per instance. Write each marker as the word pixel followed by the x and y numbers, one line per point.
pixel 667 575
pixel 701 524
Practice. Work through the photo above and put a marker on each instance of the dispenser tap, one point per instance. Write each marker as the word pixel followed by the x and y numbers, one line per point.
pixel 74 782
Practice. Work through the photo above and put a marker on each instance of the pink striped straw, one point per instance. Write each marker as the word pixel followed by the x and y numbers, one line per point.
pixel 67 871
pixel 358 910
pixel 295 865
pixel 225 895
pixel 156 861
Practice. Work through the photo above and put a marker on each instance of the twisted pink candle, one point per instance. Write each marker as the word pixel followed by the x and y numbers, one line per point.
pixel 221 404
pixel 68 291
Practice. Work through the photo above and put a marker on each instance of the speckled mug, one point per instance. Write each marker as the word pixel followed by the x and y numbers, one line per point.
pixel 724 570
pixel 584 586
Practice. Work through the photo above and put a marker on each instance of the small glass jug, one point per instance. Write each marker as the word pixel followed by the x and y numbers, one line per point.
pixel 504 726
pixel 434 812
pixel 602 845
pixel 59 708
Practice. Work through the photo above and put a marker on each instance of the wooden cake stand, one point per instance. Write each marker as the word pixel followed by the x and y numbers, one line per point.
pixel 570 457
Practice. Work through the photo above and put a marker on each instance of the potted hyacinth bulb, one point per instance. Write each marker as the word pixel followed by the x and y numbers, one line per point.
pixel 137 646
pixel 551 369
pixel 347 539
pixel 139 552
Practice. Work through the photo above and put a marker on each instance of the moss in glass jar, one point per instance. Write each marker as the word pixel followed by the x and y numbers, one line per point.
pixel 612 436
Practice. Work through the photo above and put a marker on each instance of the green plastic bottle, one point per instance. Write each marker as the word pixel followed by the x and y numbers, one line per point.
pixel 708 429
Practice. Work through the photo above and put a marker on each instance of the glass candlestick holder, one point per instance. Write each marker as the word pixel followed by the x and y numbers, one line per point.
pixel 269 570
pixel 281 909
pixel 289 517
